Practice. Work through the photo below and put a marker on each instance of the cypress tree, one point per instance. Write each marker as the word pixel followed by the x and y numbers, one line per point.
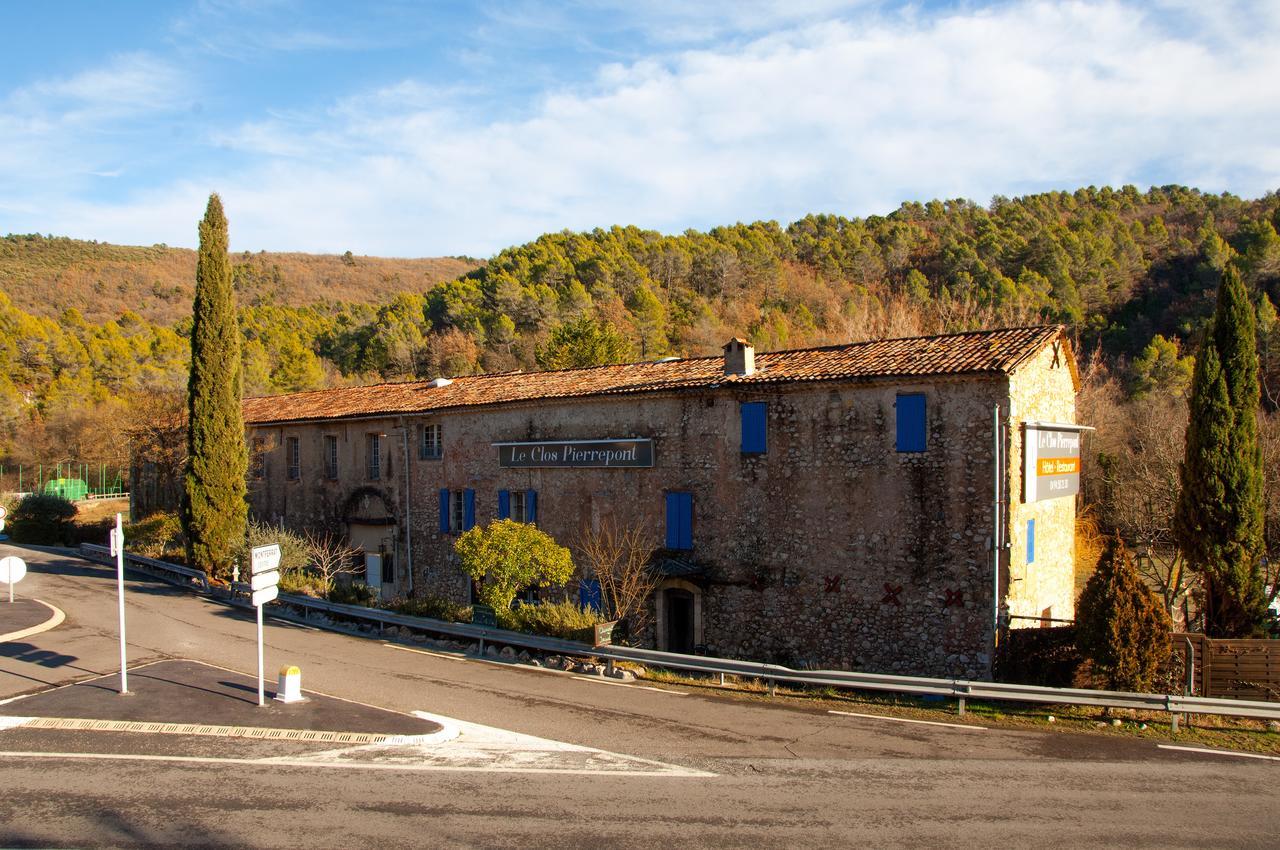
pixel 1120 625
pixel 213 499
pixel 1219 517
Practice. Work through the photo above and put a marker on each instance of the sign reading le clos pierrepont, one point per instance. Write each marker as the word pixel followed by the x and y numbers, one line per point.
pixel 1051 461
pixel 576 453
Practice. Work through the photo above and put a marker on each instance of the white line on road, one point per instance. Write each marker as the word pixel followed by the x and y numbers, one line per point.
pixel 341 765
pixel 1208 752
pixel 633 687
pixel 908 720
pixel 53 622
pixel 511 665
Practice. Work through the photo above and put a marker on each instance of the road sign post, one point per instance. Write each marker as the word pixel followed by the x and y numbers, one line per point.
pixel 12 570
pixel 264 580
pixel 117 549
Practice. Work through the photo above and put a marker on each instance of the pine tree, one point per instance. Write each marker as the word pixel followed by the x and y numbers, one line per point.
pixel 1120 624
pixel 213 499
pixel 1219 518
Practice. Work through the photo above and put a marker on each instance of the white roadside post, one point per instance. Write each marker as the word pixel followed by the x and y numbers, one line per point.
pixel 264 580
pixel 12 571
pixel 117 549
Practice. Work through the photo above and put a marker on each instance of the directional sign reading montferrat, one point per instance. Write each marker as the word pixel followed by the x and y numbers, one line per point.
pixel 265 558
pixel 12 569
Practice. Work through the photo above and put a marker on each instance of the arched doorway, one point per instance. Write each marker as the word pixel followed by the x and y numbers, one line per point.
pixel 679 616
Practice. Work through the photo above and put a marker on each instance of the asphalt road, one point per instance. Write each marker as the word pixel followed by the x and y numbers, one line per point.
pixel 732 773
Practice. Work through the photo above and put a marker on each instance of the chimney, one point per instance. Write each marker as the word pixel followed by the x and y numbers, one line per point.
pixel 739 357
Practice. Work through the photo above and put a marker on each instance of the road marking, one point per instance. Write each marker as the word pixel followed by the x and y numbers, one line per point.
pixel 443 655
pixel 516 665
pixel 908 720
pixel 53 622
pixel 211 730
pixel 1208 752
pixel 633 687
pixel 294 762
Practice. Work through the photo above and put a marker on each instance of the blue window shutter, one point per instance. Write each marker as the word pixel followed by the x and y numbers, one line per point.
pixel 673 520
pixel 755 415
pixel 1031 541
pixel 444 511
pixel 468 509
pixel 680 521
pixel 686 520
pixel 912 423
pixel 589 594
pixel 531 506
pixel 504 504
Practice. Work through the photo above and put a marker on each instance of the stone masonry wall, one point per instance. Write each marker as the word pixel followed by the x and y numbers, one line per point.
pixel 830 550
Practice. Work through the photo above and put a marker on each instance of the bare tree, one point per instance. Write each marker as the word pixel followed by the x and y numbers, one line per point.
pixel 619 557
pixel 329 556
pixel 1132 478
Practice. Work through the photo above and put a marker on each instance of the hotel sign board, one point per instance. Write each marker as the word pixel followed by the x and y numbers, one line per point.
pixel 1050 460
pixel 576 454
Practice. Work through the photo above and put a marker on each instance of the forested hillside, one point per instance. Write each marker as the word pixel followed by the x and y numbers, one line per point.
pixel 45 275
pixel 1132 272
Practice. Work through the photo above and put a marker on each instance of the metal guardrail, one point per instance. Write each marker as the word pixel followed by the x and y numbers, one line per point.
pixel 958 689
pixel 102 554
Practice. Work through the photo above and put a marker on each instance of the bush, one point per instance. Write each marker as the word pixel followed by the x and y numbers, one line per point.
pixel 45 519
pixel 506 556
pixel 1121 626
pixel 355 593
pixel 552 619
pixel 158 536
pixel 1046 657
pixel 433 608
pixel 293 549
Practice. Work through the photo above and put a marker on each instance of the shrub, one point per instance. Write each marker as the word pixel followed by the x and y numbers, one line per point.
pixel 158 536
pixel 1046 657
pixel 41 518
pixel 355 593
pixel 1120 624
pixel 294 552
pixel 505 557
pixel 432 607
pixel 553 619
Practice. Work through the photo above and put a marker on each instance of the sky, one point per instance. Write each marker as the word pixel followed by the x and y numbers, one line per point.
pixel 415 129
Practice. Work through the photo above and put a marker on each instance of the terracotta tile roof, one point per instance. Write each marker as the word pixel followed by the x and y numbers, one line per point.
pixel 977 352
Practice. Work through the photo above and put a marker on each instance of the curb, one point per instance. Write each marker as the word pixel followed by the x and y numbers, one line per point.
pixel 52 623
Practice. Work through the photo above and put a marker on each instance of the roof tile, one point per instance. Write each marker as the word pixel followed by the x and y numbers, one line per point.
pixel 995 351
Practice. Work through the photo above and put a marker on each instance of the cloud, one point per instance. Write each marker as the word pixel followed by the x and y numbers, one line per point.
pixel 850 114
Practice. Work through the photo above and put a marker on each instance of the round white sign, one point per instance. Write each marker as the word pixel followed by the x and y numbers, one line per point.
pixel 12 569
pixel 4 512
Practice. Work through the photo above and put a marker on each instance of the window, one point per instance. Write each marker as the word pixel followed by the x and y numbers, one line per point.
pixel 680 521
pixel 429 445
pixel 258 459
pixel 375 457
pixel 519 505
pixel 457 511
pixel 912 423
pixel 330 456
pixel 1031 541
pixel 755 416
pixel 293 458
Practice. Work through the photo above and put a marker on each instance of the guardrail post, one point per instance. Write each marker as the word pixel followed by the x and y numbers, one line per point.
pixel 960 707
pixel 482 645
pixel 1173 724
pixel 773 687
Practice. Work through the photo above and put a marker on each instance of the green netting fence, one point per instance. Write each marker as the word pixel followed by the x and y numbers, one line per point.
pixel 74 481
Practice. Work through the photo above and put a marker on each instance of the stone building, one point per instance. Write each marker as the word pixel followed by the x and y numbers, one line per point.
pixel 831 507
